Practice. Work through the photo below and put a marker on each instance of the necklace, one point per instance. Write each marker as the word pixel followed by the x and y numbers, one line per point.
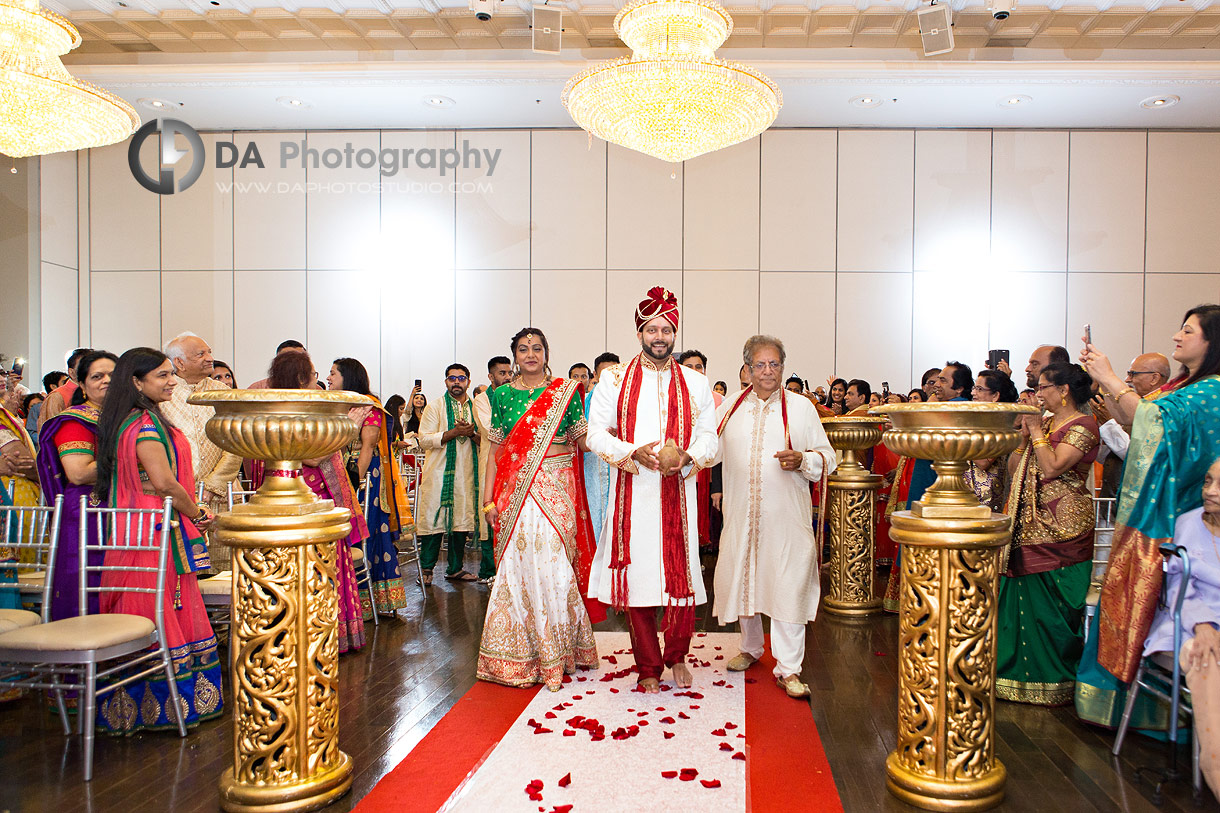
pixel 1064 422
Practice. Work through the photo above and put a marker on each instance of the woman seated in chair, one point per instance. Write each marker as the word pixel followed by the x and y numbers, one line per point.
pixel 1197 531
pixel 142 458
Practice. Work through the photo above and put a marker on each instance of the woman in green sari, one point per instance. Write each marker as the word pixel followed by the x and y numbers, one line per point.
pixel 1174 438
pixel 1042 594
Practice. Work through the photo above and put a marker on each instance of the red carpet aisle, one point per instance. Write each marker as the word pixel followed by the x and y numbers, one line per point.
pixel 731 742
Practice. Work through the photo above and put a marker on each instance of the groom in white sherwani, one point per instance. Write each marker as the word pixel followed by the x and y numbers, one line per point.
pixel 772 446
pixel 653 421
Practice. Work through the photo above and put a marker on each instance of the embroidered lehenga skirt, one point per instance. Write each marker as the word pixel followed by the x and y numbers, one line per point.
pixel 537 628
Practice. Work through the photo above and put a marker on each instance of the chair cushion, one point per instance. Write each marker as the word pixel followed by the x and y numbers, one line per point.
pixel 34 578
pixel 78 634
pixel 357 555
pixel 12 619
pixel 220 584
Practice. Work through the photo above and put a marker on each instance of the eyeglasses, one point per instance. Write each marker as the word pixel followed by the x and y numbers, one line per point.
pixel 1132 373
pixel 1042 387
pixel 760 366
pixel 981 389
pixel 456 379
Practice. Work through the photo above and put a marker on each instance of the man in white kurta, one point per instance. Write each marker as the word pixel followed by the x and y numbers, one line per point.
pixel 636 456
pixel 768 562
pixel 499 373
pixel 441 437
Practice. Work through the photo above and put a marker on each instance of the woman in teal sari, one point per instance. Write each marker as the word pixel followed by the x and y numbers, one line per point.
pixel 1174 439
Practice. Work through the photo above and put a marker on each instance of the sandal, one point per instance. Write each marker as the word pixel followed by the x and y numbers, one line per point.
pixel 427 577
pixel 462 576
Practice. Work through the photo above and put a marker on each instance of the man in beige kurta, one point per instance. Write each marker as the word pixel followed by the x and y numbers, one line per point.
pixel 768 563
pixel 437 433
pixel 214 468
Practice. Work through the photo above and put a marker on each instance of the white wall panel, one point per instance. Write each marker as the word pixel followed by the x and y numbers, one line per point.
pixel 1183 198
pixel 952 200
pixel 873 329
pixel 1113 304
pixel 1029 309
pixel 799 310
pixel 417 329
pixel 644 211
pixel 201 302
pixel 1029 200
pixel 59 319
pixel 570 307
pixel 568 200
pixel 126 310
pixel 876 184
pixel 258 329
pixel 1106 201
pixel 797 200
pixel 719 332
pixel 269 206
pixel 1167 298
pixel 343 204
pixel 124 221
pixel 344 319
pixel 949 319
pixel 720 220
pixel 197 223
pixel 493 205
pixel 491 307
pixel 57 192
pixel 624 291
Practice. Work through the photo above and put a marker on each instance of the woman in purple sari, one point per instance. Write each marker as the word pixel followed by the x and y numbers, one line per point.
pixel 67 466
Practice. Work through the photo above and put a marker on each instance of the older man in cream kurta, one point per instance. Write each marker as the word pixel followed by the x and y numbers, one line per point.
pixel 635 456
pixel 768 562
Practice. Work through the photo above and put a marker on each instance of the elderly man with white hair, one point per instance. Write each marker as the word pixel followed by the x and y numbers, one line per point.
pixel 214 468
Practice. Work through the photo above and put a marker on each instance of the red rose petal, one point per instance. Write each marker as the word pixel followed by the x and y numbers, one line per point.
pixel 541 730
pixel 669 735
pixel 740 756
pixel 716 648
pixel 569 733
pixel 693 707
pixel 687 774
pixel 879 654
pixel 610 659
pixel 718 732
pixel 729 726
pixel 741 736
pixel 533 723
pixel 667 720
pixel 535 797
pixel 567 780
pixel 724 746
pixel 718 658
pixel 615 691
pixel 669 774
pixel 534 786
pixel 643 722
pixel 710 783
pixel 557 708
pixel 717 682
pixel 683 715
pixel 561 809
pixel 550 715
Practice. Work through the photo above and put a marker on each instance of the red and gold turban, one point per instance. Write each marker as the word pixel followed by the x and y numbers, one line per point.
pixel 659 302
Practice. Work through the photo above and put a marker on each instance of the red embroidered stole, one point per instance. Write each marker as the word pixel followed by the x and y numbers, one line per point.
pixel 679 425
pixel 517 464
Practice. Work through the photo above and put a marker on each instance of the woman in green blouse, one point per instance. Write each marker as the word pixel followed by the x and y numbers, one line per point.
pixel 537 626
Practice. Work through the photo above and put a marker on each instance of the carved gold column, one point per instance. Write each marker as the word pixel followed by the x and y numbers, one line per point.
pixel 285 666
pixel 945 757
pixel 851 502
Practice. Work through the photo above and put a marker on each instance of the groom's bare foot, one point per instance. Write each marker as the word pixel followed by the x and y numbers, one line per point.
pixel 682 675
pixel 650 686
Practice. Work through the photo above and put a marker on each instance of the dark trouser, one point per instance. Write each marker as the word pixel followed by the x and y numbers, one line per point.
pixel 430 551
pixel 642 621
pixel 487 567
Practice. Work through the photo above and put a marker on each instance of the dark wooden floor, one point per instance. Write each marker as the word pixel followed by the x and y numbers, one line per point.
pixel 414 669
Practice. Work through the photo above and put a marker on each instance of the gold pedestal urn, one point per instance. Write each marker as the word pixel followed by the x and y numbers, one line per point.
pixel 945 756
pixel 285 663
pixel 851 499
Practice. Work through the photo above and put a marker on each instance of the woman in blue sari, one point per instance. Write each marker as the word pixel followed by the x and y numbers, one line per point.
pixel 67 466
pixel 1174 438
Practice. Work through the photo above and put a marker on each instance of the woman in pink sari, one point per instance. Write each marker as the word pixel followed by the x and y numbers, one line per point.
pixel 538 625
pixel 327 479
pixel 142 459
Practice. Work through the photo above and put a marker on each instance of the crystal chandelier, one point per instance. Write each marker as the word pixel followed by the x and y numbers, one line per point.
pixel 43 108
pixel 672 98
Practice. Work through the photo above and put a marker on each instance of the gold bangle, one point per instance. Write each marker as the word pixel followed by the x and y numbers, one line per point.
pixel 1123 392
pixel 488 507
pixel 1041 442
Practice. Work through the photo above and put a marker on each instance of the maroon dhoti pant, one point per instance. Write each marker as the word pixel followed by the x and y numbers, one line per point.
pixel 649 661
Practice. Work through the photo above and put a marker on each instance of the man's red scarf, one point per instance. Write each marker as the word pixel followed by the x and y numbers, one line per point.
pixel 679 425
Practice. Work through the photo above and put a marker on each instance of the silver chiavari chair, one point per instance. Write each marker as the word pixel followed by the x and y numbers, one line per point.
pixel 411 465
pixel 33 528
pixel 360 558
pixel 1104 512
pixel 30 580
pixel 113 649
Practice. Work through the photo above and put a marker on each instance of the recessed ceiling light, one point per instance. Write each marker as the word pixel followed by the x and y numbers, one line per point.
pixel 1015 100
pixel 1159 102
pixel 158 104
pixel 439 101
pixel 294 103
pixel 866 101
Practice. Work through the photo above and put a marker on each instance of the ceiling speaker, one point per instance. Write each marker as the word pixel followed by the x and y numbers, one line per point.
pixel 547 30
pixel 936 29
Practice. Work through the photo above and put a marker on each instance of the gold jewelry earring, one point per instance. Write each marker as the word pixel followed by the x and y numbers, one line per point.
pixel 1063 401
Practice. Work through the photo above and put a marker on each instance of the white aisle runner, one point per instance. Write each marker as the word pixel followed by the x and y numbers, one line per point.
pixel 598 745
